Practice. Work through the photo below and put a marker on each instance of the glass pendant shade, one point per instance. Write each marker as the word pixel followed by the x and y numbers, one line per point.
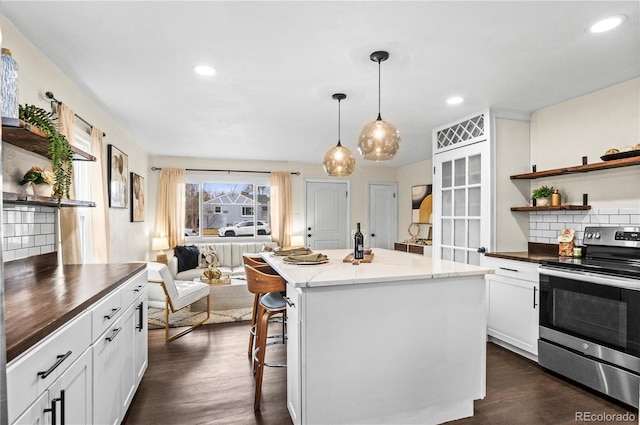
pixel 339 161
pixel 379 141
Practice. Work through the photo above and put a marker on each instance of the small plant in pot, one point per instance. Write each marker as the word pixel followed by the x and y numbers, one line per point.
pixel 541 195
pixel 59 148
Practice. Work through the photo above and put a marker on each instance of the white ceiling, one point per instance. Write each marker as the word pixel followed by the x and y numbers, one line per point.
pixel 279 63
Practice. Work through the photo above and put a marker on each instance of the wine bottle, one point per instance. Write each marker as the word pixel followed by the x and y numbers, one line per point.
pixel 358 244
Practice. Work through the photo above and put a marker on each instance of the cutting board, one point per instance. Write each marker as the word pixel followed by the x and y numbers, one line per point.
pixel 367 258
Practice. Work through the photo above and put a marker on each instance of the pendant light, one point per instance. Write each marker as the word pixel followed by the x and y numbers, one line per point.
pixel 379 140
pixel 339 161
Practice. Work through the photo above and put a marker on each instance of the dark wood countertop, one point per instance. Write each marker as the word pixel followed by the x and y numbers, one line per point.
pixel 535 253
pixel 41 296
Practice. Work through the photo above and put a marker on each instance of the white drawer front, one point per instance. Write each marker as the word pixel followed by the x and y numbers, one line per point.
pixel 106 312
pixel 27 376
pixel 133 288
pixel 517 269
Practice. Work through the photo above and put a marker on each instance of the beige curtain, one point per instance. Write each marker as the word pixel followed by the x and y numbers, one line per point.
pixel 171 205
pixel 99 214
pixel 281 208
pixel 69 231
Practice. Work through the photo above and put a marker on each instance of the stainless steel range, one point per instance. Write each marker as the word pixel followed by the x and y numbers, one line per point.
pixel 590 313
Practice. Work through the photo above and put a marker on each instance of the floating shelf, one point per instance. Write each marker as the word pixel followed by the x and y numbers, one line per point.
pixel 34 140
pixel 616 163
pixel 23 198
pixel 551 208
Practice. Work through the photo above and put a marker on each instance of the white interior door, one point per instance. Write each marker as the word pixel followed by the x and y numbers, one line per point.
pixel 327 215
pixel 462 194
pixel 382 229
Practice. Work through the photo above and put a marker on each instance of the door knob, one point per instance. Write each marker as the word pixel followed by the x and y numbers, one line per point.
pixel 373 235
pixel 309 228
pixel 482 250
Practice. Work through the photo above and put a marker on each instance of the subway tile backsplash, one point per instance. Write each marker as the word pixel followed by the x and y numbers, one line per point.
pixel 28 230
pixel 544 226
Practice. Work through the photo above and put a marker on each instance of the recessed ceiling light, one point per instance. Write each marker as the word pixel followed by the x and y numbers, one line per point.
pixel 204 70
pixel 455 100
pixel 607 24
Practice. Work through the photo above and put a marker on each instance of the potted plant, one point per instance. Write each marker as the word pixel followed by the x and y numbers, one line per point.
pixel 59 148
pixel 41 181
pixel 541 195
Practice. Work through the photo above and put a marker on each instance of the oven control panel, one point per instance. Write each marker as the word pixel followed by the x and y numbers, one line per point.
pixel 612 236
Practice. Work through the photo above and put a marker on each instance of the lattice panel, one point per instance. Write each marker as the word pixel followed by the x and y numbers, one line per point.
pixel 461 132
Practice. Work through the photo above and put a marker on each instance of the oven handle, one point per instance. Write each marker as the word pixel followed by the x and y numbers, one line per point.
pixel 619 282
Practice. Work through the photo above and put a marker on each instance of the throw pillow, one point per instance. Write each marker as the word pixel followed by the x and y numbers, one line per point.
pixel 208 257
pixel 187 257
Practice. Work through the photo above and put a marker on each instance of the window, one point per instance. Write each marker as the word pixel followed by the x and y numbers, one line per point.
pixel 82 186
pixel 230 205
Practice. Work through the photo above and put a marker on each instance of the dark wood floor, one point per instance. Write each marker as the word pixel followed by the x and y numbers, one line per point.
pixel 205 378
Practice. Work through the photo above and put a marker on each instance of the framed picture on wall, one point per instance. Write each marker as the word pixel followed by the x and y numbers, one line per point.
pixel 118 178
pixel 421 203
pixel 137 197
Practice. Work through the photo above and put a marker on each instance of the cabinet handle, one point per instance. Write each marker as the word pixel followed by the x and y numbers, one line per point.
pixel 61 407
pixel 138 288
pixel 53 410
pixel 534 297
pixel 289 302
pixel 508 269
pixel 140 316
pixel 113 313
pixel 60 358
pixel 114 334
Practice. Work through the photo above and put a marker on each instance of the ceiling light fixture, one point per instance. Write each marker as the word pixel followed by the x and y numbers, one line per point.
pixel 455 100
pixel 379 140
pixel 339 161
pixel 607 24
pixel 204 70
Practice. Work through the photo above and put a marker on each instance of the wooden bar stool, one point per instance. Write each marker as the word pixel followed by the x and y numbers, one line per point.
pixel 263 280
pixel 254 261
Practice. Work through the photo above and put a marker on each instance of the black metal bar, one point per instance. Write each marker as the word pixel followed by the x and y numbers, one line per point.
pixel 140 306
pixel 59 360
pixel 50 95
pixel 295 173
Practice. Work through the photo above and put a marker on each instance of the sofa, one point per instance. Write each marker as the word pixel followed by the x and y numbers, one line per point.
pixel 228 254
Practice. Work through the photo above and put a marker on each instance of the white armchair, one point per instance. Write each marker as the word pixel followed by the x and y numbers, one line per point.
pixel 178 294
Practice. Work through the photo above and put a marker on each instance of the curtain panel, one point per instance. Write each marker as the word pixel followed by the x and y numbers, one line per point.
pixel 69 231
pixel 171 206
pixel 100 214
pixel 281 208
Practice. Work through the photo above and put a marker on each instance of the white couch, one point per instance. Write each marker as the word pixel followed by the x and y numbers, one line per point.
pixel 229 258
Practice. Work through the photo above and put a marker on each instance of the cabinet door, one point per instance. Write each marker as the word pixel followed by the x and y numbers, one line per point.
pixel 107 376
pixel 294 374
pixel 74 391
pixel 513 312
pixel 141 338
pixel 38 413
pixel 127 356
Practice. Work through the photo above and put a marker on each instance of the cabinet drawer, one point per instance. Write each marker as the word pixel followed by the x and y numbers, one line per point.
pixel 512 268
pixel 416 249
pixel 26 376
pixel 132 288
pixel 106 312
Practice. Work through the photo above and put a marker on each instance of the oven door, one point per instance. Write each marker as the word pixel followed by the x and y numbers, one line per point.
pixel 599 309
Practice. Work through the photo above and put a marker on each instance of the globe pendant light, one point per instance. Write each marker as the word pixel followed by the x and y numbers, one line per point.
pixel 339 161
pixel 379 140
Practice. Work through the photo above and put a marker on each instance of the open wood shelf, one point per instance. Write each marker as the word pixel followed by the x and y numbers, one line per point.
pixel 552 208
pixel 23 198
pixel 34 140
pixel 616 163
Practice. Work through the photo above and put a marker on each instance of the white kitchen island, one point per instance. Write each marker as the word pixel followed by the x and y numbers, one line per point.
pixel 400 340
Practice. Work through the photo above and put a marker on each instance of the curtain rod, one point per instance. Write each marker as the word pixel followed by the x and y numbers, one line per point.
pixel 52 97
pixel 295 173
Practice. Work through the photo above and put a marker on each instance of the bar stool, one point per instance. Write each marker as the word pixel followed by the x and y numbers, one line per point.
pixel 261 281
pixel 254 261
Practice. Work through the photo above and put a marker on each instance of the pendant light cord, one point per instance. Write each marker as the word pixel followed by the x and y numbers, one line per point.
pixel 339 121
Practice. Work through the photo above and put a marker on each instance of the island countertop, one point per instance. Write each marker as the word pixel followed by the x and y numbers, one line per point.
pixel 386 265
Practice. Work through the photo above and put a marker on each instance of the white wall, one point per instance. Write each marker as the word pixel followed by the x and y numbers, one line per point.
pixel 588 126
pixel 362 175
pixel 37 75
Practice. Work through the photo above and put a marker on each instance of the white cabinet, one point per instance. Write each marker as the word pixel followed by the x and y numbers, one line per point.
pixel 294 374
pixel 513 304
pixel 120 351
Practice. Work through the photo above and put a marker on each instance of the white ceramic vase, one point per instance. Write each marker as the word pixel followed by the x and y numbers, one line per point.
pixel 542 202
pixel 43 190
